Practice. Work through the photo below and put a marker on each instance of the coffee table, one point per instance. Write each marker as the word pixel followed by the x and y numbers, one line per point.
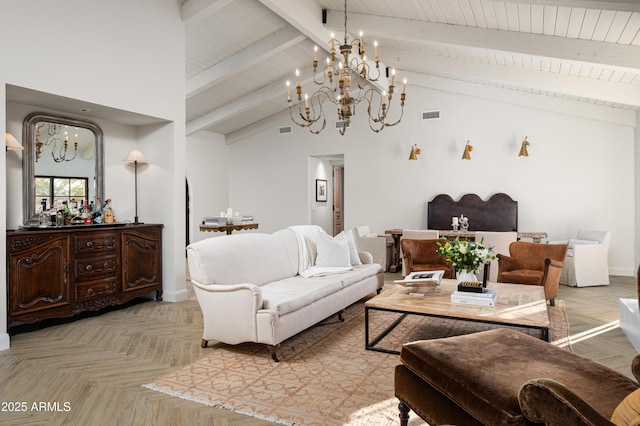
pixel 517 305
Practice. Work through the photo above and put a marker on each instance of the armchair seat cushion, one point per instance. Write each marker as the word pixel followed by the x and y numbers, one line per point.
pixel 523 276
pixel 482 374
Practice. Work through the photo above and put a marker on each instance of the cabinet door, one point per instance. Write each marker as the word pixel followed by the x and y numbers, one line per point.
pixel 39 277
pixel 142 259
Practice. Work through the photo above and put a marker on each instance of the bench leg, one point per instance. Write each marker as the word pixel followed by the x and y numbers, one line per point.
pixel 404 414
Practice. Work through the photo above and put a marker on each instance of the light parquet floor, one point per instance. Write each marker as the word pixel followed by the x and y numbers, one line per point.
pixel 97 364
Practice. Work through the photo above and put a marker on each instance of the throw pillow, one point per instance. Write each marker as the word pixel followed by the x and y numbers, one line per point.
pixel 627 413
pixel 332 252
pixel 353 248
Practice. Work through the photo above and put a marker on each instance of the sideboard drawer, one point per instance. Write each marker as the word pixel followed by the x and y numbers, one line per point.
pixel 93 289
pixel 90 268
pixel 93 242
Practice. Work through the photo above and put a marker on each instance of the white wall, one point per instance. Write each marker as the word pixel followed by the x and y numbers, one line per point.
pixel 207 173
pixel 579 174
pixel 127 56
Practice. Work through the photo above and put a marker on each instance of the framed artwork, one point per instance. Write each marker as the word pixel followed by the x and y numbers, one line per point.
pixel 321 190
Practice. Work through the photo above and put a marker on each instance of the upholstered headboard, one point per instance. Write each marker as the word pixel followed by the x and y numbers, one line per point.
pixel 499 213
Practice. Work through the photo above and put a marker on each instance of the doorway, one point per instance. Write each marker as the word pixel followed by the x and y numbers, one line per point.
pixel 327 211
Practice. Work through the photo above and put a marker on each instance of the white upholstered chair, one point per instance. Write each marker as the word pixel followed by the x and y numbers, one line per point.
pixel 417 234
pixel 380 246
pixel 500 242
pixel 587 262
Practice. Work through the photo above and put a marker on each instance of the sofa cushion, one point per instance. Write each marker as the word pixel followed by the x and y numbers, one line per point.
pixel 627 413
pixel 332 252
pixel 290 294
pixel 359 273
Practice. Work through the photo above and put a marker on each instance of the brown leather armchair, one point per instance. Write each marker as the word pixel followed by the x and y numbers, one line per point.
pixel 533 264
pixel 422 255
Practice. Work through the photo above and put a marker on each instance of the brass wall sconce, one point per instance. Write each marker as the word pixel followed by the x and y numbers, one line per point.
pixel 415 151
pixel 467 150
pixel 523 150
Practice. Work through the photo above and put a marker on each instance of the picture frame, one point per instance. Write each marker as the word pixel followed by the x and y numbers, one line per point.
pixel 321 190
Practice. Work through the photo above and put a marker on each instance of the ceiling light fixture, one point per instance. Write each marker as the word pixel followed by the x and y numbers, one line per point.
pixel 336 81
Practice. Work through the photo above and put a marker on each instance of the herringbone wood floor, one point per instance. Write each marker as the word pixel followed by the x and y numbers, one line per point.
pixel 97 364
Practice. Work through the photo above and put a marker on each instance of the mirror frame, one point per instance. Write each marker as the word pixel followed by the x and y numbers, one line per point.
pixel 29 160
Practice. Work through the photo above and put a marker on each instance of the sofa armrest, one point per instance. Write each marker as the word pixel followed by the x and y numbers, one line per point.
pixel 365 257
pixel 229 311
pixel 551 403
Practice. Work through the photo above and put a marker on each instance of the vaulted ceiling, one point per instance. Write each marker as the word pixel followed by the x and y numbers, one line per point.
pixel 239 53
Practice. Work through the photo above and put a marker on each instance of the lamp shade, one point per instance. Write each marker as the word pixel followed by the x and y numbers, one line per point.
pixel 12 143
pixel 136 156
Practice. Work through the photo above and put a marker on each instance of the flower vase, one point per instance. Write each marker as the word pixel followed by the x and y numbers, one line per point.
pixel 466 276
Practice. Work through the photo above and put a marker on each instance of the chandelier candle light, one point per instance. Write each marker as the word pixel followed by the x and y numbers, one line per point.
pixel 335 81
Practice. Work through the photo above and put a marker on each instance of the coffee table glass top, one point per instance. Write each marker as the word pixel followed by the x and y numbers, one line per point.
pixel 516 304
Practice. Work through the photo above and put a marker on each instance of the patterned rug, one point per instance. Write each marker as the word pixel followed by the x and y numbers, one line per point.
pixel 325 376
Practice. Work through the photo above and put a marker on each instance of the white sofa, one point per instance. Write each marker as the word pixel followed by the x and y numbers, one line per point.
pixel 250 290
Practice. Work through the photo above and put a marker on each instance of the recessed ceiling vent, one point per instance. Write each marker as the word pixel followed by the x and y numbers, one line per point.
pixel 430 115
pixel 285 130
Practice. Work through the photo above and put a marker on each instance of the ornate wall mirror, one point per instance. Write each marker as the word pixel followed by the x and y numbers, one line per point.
pixel 62 161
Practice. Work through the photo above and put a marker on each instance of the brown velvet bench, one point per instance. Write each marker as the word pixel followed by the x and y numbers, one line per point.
pixel 504 377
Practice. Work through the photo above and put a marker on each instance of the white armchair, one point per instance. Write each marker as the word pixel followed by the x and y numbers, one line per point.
pixel 587 261
pixel 380 246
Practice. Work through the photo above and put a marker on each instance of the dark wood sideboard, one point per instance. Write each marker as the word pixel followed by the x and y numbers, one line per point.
pixel 61 272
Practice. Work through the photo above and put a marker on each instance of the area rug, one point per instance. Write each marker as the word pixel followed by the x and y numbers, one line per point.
pixel 325 376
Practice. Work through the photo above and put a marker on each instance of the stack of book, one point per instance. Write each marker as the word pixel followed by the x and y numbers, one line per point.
pixel 486 298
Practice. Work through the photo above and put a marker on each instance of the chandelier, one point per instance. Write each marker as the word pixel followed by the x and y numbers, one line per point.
pixel 59 147
pixel 346 81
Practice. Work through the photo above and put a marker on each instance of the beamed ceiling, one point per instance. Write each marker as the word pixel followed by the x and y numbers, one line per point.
pixel 557 54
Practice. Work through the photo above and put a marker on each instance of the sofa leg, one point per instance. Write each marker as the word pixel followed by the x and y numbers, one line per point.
pixel 340 317
pixel 272 351
pixel 552 301
pixel 204 343
pixel 404 414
